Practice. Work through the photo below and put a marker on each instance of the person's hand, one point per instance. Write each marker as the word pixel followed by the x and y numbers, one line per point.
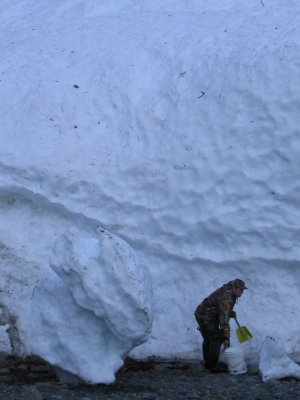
pixel 233 314
pixel 226 343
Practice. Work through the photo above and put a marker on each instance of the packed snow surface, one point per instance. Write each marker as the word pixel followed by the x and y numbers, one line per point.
pixel 171 125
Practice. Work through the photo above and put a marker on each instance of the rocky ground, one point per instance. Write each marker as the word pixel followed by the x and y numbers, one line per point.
pixel 32 379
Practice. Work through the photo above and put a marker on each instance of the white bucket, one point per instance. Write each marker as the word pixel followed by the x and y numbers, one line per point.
pixel 235 360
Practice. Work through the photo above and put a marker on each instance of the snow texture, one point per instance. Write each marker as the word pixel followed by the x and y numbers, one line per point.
pixel 274 362
pixel 174 126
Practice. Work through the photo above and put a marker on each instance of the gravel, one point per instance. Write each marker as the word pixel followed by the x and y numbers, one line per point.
pixel 32 379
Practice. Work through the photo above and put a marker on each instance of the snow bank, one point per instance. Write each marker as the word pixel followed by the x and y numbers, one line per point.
pixel 177 132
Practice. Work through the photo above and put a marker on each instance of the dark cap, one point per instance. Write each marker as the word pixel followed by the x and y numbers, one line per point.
pixel 239 284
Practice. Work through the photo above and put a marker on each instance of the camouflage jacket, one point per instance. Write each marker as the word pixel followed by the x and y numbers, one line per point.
pixel 217 308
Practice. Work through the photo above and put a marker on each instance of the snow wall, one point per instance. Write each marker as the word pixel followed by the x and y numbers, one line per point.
pixel 175 128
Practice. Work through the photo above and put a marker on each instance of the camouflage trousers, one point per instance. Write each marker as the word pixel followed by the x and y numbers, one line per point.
pixel 212 341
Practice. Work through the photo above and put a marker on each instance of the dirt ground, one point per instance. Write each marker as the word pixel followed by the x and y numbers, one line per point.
pixel 32 379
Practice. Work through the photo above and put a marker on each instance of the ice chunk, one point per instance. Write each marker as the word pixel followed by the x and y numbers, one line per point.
pixel 88 316
pixel 274 363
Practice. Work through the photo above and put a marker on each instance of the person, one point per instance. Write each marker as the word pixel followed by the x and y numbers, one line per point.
pixel 213 316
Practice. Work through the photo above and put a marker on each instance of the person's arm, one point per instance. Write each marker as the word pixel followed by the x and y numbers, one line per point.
pixel 225 311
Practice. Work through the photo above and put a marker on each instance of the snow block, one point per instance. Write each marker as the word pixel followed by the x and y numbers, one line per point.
pixel 274 363
pixel 87 316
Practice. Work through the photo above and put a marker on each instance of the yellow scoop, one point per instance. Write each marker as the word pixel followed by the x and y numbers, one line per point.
pixel 243 333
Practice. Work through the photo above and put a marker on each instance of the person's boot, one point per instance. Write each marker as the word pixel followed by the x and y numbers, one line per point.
pixel 223 365
pixel 206 365
pixel 219 368
pixel 205 350
pixel 213 357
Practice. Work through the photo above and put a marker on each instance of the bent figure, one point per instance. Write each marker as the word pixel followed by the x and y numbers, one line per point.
pixel 213 316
